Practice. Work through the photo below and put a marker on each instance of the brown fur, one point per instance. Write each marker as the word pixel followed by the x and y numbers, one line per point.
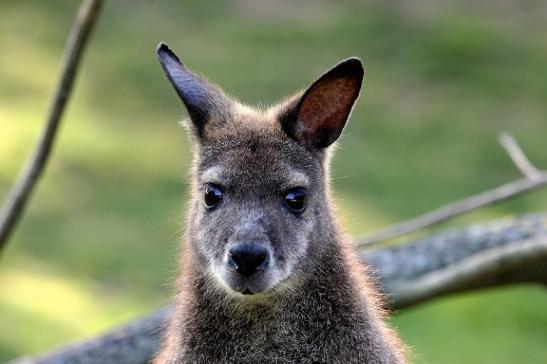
pixel 315 302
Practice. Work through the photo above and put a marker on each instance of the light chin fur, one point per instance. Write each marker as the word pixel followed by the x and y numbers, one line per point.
pixel 235 286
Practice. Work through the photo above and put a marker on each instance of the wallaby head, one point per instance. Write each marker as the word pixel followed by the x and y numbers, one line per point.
pixel 260 210
pixel 267 276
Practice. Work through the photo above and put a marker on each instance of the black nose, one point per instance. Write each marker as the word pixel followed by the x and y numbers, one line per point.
pixel 247 258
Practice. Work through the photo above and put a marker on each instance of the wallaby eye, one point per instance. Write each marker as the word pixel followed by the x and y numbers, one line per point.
pixel 212 196
pixel 295 199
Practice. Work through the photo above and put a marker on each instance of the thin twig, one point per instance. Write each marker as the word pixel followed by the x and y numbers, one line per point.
pixel 518 157
pixel 531 181
pixel 22 189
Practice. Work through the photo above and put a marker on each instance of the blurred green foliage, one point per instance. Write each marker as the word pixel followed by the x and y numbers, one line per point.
pixel 98 244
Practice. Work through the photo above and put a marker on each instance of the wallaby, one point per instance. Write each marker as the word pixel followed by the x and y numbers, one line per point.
pixel 267 276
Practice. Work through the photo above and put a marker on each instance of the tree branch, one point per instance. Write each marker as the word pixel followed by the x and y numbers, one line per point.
pixel 518 157
pixel 131 344
pixel 479 256
pixel 534 179
pixel 503 265
pixel 22 189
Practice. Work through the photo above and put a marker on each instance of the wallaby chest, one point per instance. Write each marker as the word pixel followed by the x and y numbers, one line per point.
pixel 311 327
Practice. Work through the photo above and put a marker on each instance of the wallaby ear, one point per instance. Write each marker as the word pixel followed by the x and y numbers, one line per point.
pixel 203 100
pixel 317 118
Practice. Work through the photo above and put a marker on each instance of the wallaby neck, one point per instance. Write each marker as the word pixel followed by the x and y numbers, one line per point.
pixel 324 316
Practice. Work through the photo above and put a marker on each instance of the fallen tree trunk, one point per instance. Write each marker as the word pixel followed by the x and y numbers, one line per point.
pixel 479 256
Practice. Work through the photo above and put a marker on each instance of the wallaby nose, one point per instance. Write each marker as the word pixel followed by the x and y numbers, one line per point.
pixel 247 258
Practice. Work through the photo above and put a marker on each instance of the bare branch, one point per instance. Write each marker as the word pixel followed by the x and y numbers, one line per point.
pixel 134 343
pixel 489 197
pixel 534 179
pixel 518 157
pixel 22 189
pixel 479 256
pixel 485 269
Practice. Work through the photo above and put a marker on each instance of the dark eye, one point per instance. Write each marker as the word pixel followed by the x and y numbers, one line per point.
pixel 295 199
pixel 212 196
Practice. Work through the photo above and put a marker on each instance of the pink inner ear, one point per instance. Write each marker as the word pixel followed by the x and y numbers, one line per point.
pixel 327 106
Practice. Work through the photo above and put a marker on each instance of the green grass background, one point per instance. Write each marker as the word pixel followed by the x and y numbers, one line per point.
pixel 97 245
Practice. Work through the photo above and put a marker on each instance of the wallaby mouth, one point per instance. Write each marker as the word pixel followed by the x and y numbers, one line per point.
pixel 247 286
